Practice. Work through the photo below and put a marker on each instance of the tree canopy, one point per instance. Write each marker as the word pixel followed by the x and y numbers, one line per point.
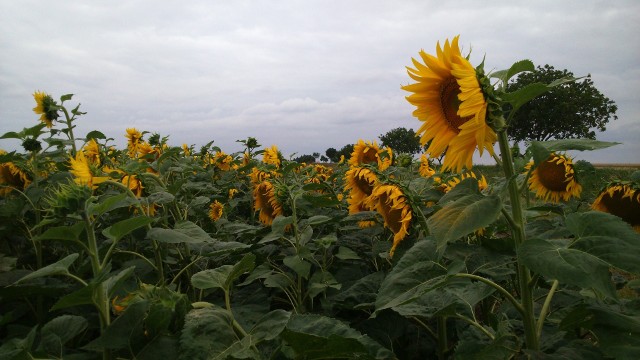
pixel 401 140
pixel 572 110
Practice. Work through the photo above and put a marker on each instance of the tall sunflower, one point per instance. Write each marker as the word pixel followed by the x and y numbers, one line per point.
pixel 482 181
pixel 369 153
pixel 425 169
pixel 92 152
pixel 12 177
pixel 266 202
pixel 46 107
pixel 554 179
pixel 83 173
pixel 393 205
pixel 451 104
pixel 215 210
pixel 622 200
pixel 272 156
pixel 359 182
pixel 133 140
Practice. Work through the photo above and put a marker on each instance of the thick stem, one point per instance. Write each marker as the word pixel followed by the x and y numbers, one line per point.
pixel 524 276
pixel 442 337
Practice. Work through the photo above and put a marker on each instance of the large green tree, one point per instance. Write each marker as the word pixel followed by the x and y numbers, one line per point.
pixel 401 140
pixel 572 110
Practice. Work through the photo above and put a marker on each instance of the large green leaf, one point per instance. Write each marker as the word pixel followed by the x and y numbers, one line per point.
pixel 607 237
pixel 416 273
pixel 125 330
pixel 122 228
pixel 64 233
pixel 299 265
pixel 320 337
pixel 463 216
pixel 517 67
pixel 206 333
pixel 59 331
pixel 110 202
pixel 530 92
pixel 574 144
pixel 223 276
pixel 555 260
pixel 60 267
pixel 270 325
pixel 183 232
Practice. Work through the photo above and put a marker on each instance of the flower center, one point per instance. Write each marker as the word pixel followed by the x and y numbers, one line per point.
pixel 368 156
pixel 450 103
pixel 553 176
pixel 626 208
pixel 363 183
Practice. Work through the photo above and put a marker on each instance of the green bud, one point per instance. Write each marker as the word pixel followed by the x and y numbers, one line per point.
pixel 32 145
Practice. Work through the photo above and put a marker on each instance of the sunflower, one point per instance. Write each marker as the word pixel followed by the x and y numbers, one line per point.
pixel 222 161
pixel 482 182
pixel 266 202
pixel 133 183
pixel 356 206
pixel 359 182
pixel 186 150
pixel 622 200
pixel 451 104
pixel 215 210
pixel 369 153
pixel 133 139
pixel 392 204
pixel 83 173
pixel 92 152
pixel 554 179
pixel 257 176
pixel 12 177
pixel 46 107
pixel 425 168
pixel 272 156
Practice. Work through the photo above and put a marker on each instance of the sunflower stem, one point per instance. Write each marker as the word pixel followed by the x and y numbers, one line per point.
pixel 524 276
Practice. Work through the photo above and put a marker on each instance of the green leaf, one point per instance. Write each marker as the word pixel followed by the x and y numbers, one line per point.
pixel 540 152
pixel 113 283
pixel 318 219
pixel 120 229
pixel 416 273
pixel 206 333
pixel 607 237
pixel 184 232
pixel 59 331
pixel 297 264
pixel 320 337
pixel 280 223
pixel 361 294
pixel 66 97
pixel 270 325
pixel 320 282
pixel 124 330
pixel 65 233
pixel 516 68
pixel 530 92
pixel 574 144
pixel 192 230
pixel 95 134
pixel 463 216
pixel 223 276
pixel 160 197
pixel 571 266
pixel 82 296
pixel 108 203
pixel 11 135
pixel 344 253
pixel 60 267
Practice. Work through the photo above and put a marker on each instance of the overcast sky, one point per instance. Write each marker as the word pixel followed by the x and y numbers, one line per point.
pixel 303 75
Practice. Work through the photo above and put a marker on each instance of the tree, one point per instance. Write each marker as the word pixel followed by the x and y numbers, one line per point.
pixel 401 140
pixel 572 110
pixel 332 154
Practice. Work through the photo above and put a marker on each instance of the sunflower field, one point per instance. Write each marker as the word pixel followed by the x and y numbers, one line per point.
pixel 176 252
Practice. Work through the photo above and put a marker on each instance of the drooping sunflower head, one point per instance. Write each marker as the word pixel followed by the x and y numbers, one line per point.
pixel 621 199
pixel 12 177
pixel 425 167
pixel 46 107
pixel 272 156
pixel 92 152
pixel 554 179
pixel 215 210
pixel 133 139
pixel 133 183
pixel 359 182
pixel 393 205
pixel 266 202
pixel 83 172
pixel 222 160
pixel 257 176
pixel 451 105
pixel 368 152
pixel 186 150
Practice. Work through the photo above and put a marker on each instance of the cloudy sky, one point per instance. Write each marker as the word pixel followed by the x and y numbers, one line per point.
pixel 304 75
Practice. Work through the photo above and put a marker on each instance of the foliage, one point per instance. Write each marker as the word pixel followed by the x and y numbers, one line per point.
pixel 573 110
pixel 401 140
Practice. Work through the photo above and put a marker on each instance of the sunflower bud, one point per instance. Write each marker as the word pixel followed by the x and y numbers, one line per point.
pixel 68 199
pixel 31 145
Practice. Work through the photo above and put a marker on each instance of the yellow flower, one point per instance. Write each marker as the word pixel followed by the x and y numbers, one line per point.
pixel 222 161
pixel 83 173
pixel 258 176
pixel 451 105
pixel 425 169
pixel 359 182
pixel 554 179
pixel 622 200
pixel 266 202
pixel 232 193
pixel 133 139
pixel 186 150
pixel 369 153
pixel 215 210
pixel 341 159
pixel 46 107
pixel 271 156
pixel 92 152
pixel 482 182
pixel 12 177
pixel 392 204
pixel 133 183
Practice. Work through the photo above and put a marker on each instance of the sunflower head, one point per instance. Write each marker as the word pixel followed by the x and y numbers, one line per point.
pixel 133 183
pixel 482 181
pixel 266 202
pixel 554 179
pixel 621 199
pixel 215 210
pixel 393 205
pixel 12 177
pixel 222 161
pixel 83 172
pixel 425 167
pixel 451 104
pixel 133 139
pixel 272 156
pixel 92 152
pixel 360 182
pixel 369 153
pixel 46 107
pixel 68 199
